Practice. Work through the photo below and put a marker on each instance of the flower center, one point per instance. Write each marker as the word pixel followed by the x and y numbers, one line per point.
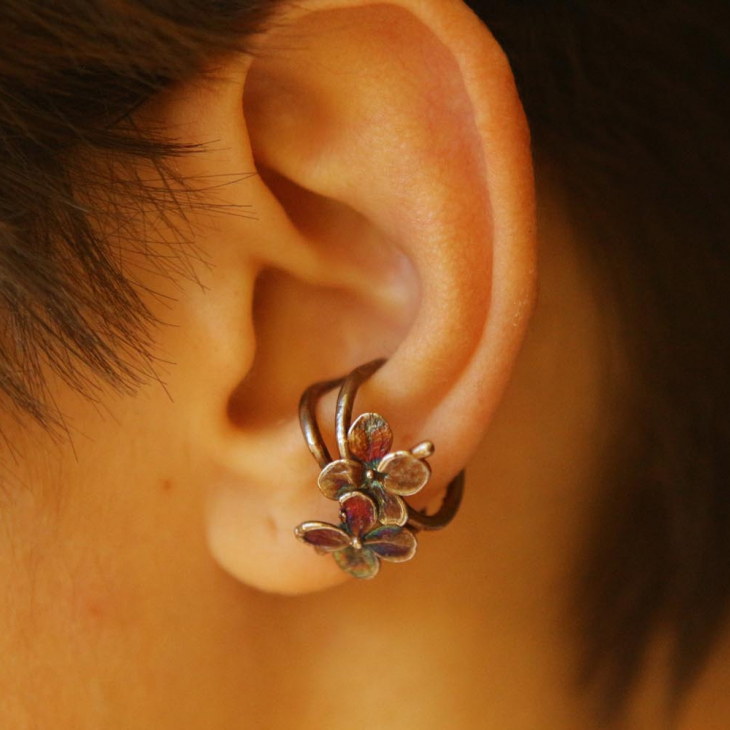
pixel 373 478
pixel 356 543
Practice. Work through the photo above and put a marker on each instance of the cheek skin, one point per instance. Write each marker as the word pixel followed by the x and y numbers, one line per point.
pixel 112 513
pixel 109 570
pixel 101 603
pixel 115 567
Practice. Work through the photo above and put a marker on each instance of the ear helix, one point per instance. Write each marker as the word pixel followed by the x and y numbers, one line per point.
pixel 370 482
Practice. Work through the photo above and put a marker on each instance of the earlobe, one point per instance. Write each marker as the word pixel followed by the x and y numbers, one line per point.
pixel 396 179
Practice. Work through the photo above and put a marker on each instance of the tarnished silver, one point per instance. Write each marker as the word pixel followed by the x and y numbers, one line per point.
pixel 343 416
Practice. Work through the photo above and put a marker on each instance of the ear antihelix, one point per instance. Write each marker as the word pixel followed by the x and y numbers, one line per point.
pixel 369 481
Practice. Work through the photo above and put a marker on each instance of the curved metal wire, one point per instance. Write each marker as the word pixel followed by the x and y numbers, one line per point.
pixel 346 400
pixel 308 419
pixel 343 417
pixel 447 511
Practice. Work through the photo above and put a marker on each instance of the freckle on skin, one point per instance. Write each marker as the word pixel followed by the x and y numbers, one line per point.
pixel 94 608
pixel 166 485
pixel 271 525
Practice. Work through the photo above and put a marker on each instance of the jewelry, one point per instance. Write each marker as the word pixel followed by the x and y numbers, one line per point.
pixel 369 481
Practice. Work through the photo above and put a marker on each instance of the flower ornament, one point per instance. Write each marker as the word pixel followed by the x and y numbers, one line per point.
pixel 387 476
pixel 369 482
pixel 359 542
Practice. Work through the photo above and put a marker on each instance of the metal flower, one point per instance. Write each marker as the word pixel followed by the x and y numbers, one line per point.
pixel 359 543
pixel 387 476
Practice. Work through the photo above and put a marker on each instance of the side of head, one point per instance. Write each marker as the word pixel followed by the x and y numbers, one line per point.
pixel 202 216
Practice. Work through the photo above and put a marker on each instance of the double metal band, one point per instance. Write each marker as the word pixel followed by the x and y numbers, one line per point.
pixel 343 418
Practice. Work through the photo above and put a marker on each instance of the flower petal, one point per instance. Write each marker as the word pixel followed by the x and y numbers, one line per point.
pixel 370 438
pixel 393 543
pixel 358 563
pixel 358 513
pixel 391 509
pixel 323 536
pixel 339 475
pixel 404 473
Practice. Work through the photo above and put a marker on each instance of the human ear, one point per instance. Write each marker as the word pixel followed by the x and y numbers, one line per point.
pixel 395 218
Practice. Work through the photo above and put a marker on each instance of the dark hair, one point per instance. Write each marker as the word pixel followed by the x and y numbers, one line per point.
pixel 626 102
pixel 629 102
pixel 71 76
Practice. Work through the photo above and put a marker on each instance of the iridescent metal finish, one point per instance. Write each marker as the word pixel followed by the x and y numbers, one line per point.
pixel 369 481
pixel 359 543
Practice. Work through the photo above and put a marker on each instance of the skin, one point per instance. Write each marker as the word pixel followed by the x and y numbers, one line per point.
pixel 133 624
pixel 152 576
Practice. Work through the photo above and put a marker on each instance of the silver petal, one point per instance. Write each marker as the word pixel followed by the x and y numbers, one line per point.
pixel 404 473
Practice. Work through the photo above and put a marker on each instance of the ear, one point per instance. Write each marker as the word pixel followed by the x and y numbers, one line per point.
pixel 395 218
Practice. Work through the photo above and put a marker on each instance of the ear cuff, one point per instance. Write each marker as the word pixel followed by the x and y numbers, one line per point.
pixel 370 483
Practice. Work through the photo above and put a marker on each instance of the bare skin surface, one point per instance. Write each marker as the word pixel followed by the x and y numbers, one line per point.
pixel 116 616
pixel 152 579
pixel 120 618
